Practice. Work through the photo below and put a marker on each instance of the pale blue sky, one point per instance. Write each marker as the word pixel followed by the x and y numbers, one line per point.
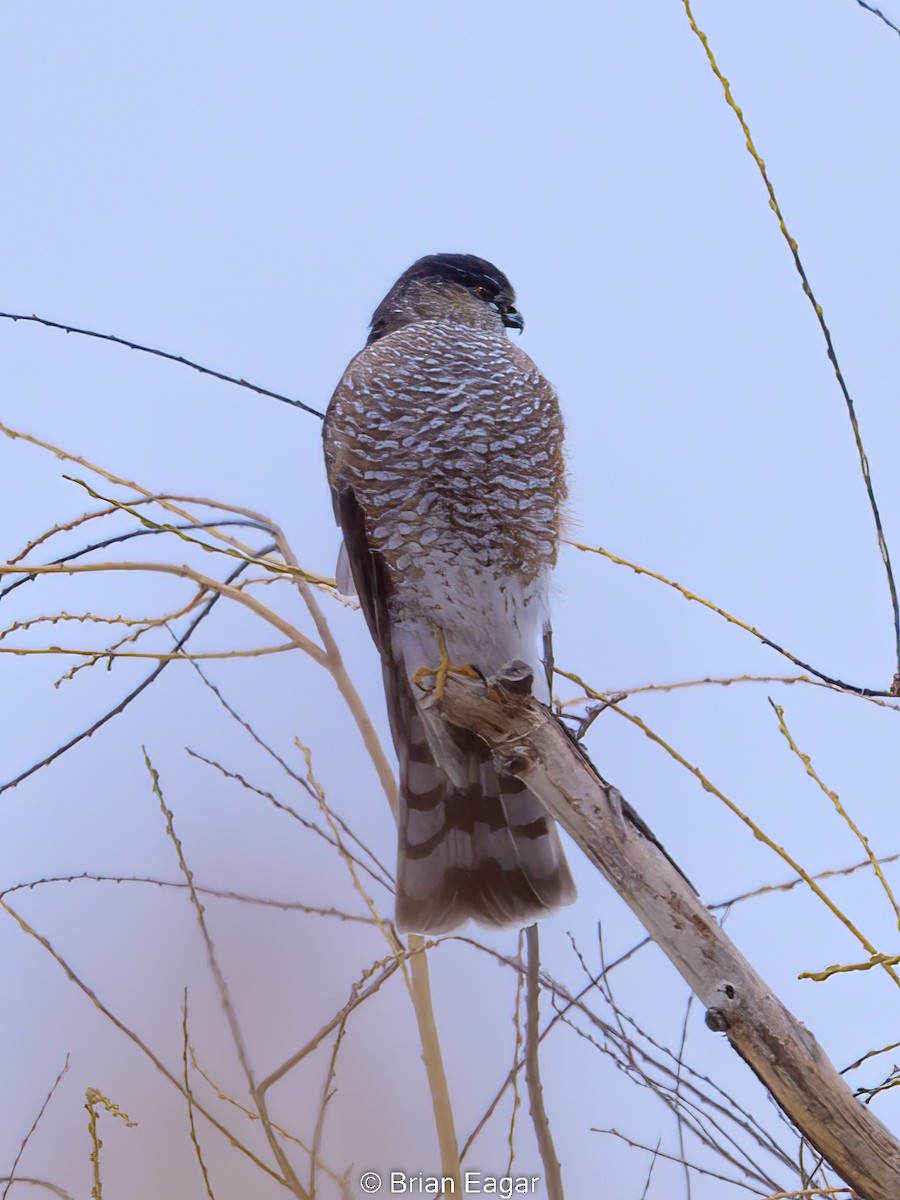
pixel 240 185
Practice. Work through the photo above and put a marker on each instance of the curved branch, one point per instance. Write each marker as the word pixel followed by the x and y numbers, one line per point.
pixel 204 581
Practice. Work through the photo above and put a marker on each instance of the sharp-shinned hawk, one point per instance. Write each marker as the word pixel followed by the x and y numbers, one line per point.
pixel 443 444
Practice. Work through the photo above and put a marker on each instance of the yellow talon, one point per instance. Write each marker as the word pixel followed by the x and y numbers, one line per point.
pixel 443 669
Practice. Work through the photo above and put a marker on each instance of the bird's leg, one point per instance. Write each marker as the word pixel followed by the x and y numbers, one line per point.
pixel 444 667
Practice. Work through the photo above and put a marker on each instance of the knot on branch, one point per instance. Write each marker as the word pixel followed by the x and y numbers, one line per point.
pixel 513 760
pixel 720 1017
pixel 516 677
pixel 500 709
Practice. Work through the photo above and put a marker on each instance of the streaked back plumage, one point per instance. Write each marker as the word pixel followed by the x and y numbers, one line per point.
pixel 444 451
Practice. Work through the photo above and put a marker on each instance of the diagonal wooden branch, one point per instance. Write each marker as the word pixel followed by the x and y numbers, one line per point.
pixel 527 742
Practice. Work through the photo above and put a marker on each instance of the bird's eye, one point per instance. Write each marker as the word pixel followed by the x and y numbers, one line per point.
pixel 484 293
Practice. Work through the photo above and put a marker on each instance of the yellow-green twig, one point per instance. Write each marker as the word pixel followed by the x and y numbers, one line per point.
pixel 839 808
pixel 888 961
pixel 253 652
pixel 828 680
pixel 820 317
pixel 758 832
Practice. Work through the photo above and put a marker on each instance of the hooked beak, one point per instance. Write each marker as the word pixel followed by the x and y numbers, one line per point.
pixel 513 319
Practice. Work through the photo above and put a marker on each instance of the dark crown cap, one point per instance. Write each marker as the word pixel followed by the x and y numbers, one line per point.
pixel 466 270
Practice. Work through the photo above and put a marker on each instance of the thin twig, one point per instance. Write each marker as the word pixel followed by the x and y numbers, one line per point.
pixel 758 832
pixel 358 995
pixel 729 617
pixel 678 1116
pixel 133 1037
pixel 790 884
pixel 333 839
pixel 433 1058
pixel 820 318
pixel 190 1098
pixel 11 1178
pixel 387 880
pixel 653 1157
pixel 418 982
pixel 327 1093
pixel 878 13
pixel 839 807
pixel 94 1097
pixel 176 358
pixel 724 682
pixel 147 655
pixel 517 1053
pixel 42 1183
pixel 690 1114
pixel 216 893
pixel 539 1118
pixel 620 1043
pixel 231 1017
pixel 869 1054
pixel 673 1158
pixel 118 539
pixel 183 571
pixel 132 695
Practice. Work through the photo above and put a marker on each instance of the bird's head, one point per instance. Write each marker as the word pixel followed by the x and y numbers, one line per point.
pixel 449 287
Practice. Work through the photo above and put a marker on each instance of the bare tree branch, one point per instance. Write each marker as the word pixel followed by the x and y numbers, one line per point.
pixel 539 1118
pixel 527 742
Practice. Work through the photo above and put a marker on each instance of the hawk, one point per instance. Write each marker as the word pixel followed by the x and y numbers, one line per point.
pixel 443 445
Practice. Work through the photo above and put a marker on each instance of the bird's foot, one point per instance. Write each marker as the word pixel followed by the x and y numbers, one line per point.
pixel 444 668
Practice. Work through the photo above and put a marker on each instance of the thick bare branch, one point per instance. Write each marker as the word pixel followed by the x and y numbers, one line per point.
pixel 527 742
